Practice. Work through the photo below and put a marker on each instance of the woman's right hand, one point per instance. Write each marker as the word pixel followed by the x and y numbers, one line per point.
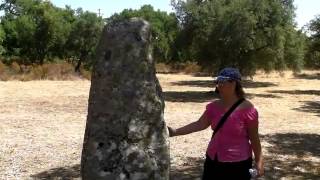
pixel 171 131
pixel 260 168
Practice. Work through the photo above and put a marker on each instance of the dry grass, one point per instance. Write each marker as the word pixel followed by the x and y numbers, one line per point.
pixel 3 72
pixel 65 71
pixel 50 71
pixel 163 68
pixel 186 68
pixel 43 122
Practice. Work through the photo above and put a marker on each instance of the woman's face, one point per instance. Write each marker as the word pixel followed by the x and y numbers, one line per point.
pixel 226 87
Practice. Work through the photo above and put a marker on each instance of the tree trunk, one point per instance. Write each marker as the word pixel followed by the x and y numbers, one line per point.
pixel 77 68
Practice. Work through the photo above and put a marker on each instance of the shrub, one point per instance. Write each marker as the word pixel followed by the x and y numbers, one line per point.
pixel 3 68
pixel 15 68
pixel 191 68
pixel 85 74
pixel 163 68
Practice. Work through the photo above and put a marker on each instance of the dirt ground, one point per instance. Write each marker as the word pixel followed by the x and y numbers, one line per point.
pixel 42 125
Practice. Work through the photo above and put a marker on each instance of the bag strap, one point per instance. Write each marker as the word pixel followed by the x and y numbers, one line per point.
pixel 226 115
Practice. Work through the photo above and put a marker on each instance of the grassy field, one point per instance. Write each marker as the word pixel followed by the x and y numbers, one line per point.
pixel 42 125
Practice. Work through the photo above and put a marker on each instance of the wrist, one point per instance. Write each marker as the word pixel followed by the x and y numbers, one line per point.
pixel 172 132
pixel 259 160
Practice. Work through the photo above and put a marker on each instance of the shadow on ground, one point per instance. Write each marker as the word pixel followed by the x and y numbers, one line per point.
pixel 189 96
pixel 191 170
pixel 310 107
pixel 287 153
pixel 308 76
pixel 65 173
pixel 210 84
pixel 203 96
pixel 296 147
pixel 297 92
pixel 286 159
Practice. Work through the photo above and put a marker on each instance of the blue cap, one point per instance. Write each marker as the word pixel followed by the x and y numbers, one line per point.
pixel 229 74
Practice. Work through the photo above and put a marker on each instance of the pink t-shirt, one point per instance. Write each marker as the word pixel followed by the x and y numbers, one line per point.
pixel 231 142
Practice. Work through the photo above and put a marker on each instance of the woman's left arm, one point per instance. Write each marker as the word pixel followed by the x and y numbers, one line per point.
pixel 256 147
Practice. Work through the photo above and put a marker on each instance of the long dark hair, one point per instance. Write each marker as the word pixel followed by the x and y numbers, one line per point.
pixel 239 90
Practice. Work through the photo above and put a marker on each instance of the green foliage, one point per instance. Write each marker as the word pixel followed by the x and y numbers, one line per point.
pixel 10 7
pixel 2 36
pixel 36 31
pixel 164 29
pixel 248 34
pixel 51 32
pixel 84 37
pixel 313 54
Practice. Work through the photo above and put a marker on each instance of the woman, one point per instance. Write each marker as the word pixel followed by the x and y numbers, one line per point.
pixel 229 153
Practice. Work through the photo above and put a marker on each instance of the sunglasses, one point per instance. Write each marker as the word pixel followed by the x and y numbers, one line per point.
pixel 221 82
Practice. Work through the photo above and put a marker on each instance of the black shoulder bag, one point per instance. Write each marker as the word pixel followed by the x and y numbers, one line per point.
pixel 226 115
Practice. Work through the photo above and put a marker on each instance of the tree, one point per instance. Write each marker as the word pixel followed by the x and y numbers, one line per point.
pixel 9 7
pixel 164 29
pixel 84 37
pixel 2 36
pixel 52 31
pixel 248 34
pixel 18 27
pixel 35 30
pixel 313 53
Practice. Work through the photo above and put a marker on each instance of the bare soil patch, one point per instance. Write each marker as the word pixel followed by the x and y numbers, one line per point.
pixel 42 125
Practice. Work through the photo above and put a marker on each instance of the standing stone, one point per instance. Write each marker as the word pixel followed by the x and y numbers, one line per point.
pixel 126 136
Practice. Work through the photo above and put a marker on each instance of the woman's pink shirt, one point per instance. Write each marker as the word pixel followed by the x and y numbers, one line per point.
pixel 231 142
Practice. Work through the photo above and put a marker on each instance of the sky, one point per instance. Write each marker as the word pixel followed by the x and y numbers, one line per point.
pixel 306 9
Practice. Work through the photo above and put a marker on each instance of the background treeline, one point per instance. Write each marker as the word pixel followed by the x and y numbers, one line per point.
pixel 248 34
